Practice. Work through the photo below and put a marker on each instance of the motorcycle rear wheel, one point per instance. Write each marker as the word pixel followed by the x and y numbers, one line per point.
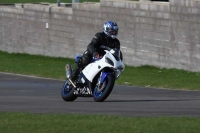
pixel 100 95
pixel 68 95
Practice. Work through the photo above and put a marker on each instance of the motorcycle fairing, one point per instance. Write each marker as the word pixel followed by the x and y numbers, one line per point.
pixel 95 67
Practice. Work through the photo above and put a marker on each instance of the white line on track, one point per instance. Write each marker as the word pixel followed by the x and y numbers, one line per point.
pixel 30 76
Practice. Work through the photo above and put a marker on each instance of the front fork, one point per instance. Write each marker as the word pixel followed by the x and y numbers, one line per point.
pixel 100 82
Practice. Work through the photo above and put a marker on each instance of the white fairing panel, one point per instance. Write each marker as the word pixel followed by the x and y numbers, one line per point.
pixel 92 69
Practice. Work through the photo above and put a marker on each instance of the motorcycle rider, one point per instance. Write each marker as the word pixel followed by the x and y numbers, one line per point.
pixel 106 38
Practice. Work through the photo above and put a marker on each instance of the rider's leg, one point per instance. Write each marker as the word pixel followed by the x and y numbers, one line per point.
pixel 83 61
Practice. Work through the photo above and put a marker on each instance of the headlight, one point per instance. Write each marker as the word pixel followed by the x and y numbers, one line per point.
pixel 121 67
pixel 117 73
pixel 109 61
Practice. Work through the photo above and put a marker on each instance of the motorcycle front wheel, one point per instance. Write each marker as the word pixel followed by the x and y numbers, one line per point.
pixel 67 92
pixel 102 92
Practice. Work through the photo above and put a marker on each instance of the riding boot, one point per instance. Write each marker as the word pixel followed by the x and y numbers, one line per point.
pixel 75 73
pixel 80 64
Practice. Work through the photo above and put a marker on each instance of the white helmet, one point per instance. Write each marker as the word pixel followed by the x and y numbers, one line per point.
pixel 110 28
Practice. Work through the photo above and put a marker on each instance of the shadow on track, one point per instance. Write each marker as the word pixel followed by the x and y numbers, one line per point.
pixel 149 100
pixel 133 101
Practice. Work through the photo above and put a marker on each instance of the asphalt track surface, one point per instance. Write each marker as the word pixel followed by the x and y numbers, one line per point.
pixel 37 95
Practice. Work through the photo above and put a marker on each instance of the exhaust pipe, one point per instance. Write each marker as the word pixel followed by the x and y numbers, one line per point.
pixel 68 69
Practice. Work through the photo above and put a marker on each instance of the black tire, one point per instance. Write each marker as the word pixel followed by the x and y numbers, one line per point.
pixel 110 81
pixel 68 95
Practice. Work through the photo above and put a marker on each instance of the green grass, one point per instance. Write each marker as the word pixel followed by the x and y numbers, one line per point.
pixel 34 65
pixel 145 76
pixel 149 76
pixel 68 123
pixel 36 1
pixel 50 1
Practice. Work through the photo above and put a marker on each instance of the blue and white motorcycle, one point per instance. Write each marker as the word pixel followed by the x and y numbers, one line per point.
pixel 97 79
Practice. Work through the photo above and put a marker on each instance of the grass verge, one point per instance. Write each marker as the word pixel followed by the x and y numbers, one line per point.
pixel 68 123
pixel 36 1
pixel 145 76
pixel 50 1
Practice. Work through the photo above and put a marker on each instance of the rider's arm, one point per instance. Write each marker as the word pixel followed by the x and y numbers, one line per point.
pixel 118 47
pixel 94 44
pixel 117 44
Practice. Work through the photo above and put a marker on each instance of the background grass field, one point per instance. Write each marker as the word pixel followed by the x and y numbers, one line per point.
pixel 145 76
pixel 50 1
pixel 35 1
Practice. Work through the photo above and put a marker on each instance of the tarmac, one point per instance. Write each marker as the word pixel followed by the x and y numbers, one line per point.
pixel 20 93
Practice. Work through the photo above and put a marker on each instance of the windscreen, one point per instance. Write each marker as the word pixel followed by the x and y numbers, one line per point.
pixel 116 54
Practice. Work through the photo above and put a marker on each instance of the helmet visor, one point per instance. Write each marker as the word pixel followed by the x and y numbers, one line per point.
pixel 113 32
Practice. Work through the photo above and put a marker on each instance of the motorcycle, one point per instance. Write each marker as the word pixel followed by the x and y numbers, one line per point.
pixel 97 79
